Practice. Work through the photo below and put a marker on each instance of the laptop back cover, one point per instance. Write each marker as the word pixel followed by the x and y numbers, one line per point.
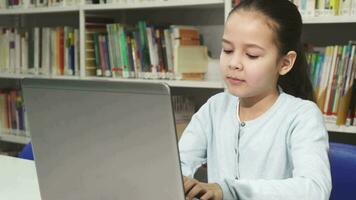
pixel 103 140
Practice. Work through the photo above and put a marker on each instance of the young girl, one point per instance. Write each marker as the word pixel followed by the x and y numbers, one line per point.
pixel 264 139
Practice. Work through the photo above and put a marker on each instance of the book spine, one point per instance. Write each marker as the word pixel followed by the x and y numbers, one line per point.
pixel 118 56
pixel 61 50
pixel 107 56
pixel 144 46
pixel 111 47
pixel 97 54
pixel 129 54
pixel 102 55
pixel 169 50
pixel 124 55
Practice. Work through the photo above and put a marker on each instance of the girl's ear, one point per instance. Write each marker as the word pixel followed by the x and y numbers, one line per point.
pixel 287 62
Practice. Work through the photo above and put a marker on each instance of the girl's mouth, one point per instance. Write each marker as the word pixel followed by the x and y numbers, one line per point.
pixel 234 80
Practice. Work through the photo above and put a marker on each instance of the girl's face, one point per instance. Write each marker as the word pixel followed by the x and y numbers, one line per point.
pixel 249 58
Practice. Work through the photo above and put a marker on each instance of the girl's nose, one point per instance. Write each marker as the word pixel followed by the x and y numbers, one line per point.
pixel 235 62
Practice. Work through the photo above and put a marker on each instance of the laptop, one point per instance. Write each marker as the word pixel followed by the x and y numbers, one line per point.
pixel 103 139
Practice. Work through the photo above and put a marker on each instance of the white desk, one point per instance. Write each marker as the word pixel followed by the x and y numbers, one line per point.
pixel 18 179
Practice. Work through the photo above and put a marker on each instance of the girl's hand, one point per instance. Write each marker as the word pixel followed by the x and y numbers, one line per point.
pixel 203 191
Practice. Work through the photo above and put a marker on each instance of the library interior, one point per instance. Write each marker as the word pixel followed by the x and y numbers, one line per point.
pixel 67 67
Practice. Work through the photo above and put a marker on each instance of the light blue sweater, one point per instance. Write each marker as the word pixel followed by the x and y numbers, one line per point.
pixel 282 154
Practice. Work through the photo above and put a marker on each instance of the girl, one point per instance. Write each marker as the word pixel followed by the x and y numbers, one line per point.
pixel 264 138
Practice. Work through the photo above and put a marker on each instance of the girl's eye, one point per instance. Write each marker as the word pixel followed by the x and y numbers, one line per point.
pixel 252 56
pixel 226 51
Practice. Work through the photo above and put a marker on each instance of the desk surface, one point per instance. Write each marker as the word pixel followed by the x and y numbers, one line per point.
pixel 18 179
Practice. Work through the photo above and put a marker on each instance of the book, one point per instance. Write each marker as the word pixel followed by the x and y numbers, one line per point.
pixel 190 59
pixel 94 24
pixel 185 35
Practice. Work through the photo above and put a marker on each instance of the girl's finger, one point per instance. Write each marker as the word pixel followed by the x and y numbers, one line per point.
pixel 189 184
pixel 208 195
pixel 196 191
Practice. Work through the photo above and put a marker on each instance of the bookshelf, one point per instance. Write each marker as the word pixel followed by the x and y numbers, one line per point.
pixel 207 15
pixel 14 137
pixel 341 129
pixel 173 83
pixel 156 4
pixel 74 16
pixel 126 13
pixel 17 11
pixel 329 19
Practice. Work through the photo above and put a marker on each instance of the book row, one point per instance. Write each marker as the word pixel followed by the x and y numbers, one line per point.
pixel 40 50
pixel 120 50
pixel 333 72
pixel 12 111
pixel 316 8
pixel 310 8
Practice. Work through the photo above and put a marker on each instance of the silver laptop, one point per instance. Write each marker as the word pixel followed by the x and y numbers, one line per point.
pixel 103 140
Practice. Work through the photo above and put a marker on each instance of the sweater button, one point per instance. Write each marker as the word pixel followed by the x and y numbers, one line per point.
pixel 243 124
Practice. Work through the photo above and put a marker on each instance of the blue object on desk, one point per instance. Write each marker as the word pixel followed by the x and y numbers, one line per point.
pixel 26 152
pixel 343 171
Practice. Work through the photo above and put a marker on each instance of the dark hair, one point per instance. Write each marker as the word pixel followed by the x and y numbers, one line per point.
pixel 288 31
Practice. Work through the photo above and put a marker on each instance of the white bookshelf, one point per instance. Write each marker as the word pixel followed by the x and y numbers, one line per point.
pixel 14 139
pixel 172 83
pixel 329 19
pixel 341 129
pixel 154 4
pixel 39 10
pixel 12 76
pixel 14 136
pixel 114 6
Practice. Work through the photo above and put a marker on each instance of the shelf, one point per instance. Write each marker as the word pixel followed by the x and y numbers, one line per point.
pixel 15 11
pixel 14 136
pixel 113 6
pixel 172 83
pixel 155 4
pixel 341 129
pixel 329 19
pixel 11 76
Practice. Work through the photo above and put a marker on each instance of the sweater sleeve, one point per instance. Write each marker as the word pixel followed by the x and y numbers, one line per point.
pixel 193 143
pixel 311 178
